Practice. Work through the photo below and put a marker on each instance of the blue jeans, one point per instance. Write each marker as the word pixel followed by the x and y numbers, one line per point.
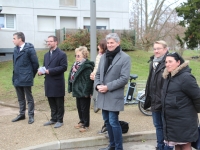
pixel 114 129
pixel 157 121
pixel 166 147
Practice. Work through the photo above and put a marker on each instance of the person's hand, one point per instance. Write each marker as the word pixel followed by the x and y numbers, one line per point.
pixel 102 88
pixel 92 76
pixel 47 71
pixel 39 73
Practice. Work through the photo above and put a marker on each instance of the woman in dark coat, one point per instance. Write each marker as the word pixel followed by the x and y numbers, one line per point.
pixel 180 103
pixel 81 86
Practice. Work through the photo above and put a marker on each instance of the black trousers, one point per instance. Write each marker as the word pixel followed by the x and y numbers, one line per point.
pixel 23 91
pixel 83 106
pixel 57 108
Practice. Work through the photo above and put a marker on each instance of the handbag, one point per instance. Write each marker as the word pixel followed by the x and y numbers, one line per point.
pixel 124 126
pixel 196 144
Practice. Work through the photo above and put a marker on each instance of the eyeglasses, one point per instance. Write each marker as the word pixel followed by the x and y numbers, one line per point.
pixel 78 56
pixel 174 54
pixel 49 41
pixel 157 49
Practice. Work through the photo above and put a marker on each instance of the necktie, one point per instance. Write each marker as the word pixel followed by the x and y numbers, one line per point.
pixel 51 53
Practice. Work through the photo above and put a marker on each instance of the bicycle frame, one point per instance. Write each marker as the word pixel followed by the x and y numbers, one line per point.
pixel 129 97
pixel 139 99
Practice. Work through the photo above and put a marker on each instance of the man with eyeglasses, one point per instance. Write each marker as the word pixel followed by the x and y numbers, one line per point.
pixel 153 88
pixel 55 64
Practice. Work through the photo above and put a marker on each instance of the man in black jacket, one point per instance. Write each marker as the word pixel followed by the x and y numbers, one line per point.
pixel 55 64
pixel 25 65
pixel 153 89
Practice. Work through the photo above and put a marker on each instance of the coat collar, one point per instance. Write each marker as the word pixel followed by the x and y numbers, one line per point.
pixel 178 69
pixel 118 55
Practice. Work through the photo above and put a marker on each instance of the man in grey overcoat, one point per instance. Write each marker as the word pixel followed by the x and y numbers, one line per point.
pixel 55 63
pixel 112 76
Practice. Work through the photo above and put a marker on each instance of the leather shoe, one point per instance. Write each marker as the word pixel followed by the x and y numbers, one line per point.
pixel 107 148
pixel 31 120
pixel 19 117
pixel 58 125
pixel 49 123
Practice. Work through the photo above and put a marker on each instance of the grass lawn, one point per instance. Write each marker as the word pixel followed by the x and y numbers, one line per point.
pixel 139 66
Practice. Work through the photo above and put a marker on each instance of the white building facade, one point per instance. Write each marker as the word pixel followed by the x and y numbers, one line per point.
pixel 38 19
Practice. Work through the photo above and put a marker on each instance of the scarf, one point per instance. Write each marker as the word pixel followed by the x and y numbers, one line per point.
pixel 156 61
pixel 75 67
pixel 109 58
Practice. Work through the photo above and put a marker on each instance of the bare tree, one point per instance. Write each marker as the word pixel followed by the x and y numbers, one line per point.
pixel 158 22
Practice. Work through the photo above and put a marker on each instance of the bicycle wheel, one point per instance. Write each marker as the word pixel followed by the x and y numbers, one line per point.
pixel 146 112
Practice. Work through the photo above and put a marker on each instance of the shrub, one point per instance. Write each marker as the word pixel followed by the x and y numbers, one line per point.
pixel 82 38
pixel 72 41
pixel 126 44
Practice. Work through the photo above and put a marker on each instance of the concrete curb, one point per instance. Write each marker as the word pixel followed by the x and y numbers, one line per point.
pixel 92 141
pixel 14 106
pixel 8 105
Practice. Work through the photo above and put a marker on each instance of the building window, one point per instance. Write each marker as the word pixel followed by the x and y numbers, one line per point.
pixel 97 27
pixel 46 23
pixel 7 21
pixel 67 2
pixel 101 23
pixel 68 22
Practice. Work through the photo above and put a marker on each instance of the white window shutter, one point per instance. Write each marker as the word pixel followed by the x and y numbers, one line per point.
pixel 10 21
pixel 68 2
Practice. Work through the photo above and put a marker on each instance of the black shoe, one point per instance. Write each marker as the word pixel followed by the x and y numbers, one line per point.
pixel 31 120
pixel 107 148
pixel 19 117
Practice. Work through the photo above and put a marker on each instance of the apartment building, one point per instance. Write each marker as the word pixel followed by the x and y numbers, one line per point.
pixel 39 18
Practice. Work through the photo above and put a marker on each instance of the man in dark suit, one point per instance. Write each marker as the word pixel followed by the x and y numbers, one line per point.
pixel 25 65
pixel 55 63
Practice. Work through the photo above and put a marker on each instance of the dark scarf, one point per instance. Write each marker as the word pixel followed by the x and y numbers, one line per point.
pixel 110 55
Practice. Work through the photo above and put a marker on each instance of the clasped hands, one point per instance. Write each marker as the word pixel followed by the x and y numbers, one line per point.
pixel 40 73
pixel 102 88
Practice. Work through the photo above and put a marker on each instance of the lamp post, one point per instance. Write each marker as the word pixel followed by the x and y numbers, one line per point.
pixel 93 37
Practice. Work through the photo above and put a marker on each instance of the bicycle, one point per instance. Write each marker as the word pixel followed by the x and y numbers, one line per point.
pixel 139 99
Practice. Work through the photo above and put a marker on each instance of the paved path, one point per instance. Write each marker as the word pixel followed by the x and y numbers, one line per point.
pixel 21 135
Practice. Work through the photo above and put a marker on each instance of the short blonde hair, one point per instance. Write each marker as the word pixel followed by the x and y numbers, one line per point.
pixel 163 43
pixel 84 51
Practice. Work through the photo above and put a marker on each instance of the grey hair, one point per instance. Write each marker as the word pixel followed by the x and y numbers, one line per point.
pixel 113 36
pixel 20 35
